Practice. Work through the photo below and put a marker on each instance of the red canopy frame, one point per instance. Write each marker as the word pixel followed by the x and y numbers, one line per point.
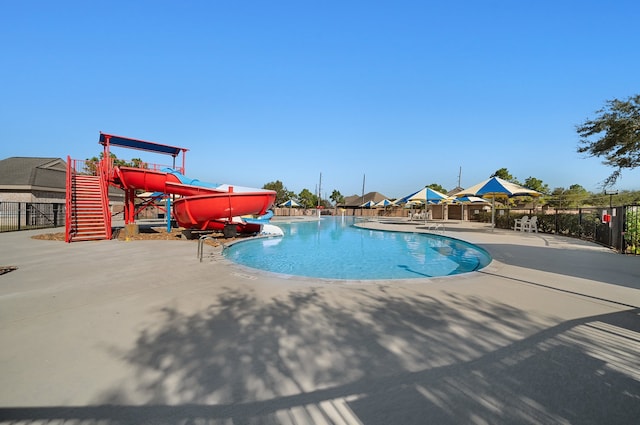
pixel 108 140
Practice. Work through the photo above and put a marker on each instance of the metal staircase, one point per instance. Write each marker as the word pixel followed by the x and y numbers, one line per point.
pixel 88 215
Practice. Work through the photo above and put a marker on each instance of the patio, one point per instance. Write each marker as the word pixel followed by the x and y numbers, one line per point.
pixel 548 332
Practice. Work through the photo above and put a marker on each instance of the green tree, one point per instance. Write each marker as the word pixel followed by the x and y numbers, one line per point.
pixel 557 198
pixel 282 193
pixel 627 197
pixel 138 163
pixel 614 135
pixel 336 197
pixel 536 184
pixel 576 195
pixel 91 164
pixel 437 188
pixel 504 174
pixel 307 199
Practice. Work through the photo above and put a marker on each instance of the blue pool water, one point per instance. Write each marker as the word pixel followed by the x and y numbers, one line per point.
pixel 333 248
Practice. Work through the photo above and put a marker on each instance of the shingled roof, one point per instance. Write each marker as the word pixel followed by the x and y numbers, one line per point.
pixel 355 201
pixel 29 172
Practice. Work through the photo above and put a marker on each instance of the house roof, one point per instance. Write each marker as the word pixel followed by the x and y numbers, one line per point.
pixel 354 201
pixel 30 171
pixel 455 190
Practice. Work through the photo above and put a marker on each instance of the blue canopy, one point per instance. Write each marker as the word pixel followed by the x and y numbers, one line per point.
pixel 142 145
pixel 495 187
pixel 290 203
pixel 428 196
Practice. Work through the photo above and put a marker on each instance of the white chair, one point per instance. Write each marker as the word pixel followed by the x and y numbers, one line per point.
pixel 531 225
pixel 519 223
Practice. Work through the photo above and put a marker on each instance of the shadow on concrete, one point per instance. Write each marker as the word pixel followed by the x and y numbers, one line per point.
pixel 304 359
pixel 604 267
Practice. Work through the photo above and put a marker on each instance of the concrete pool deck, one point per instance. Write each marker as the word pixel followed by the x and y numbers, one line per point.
pixel 116 332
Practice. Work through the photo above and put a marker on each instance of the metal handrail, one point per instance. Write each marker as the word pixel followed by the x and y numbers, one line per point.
pixel 103 170
pixel 201 245
pixel 68 195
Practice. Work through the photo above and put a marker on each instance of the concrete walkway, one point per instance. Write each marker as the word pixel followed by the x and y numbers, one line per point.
pixel 139 332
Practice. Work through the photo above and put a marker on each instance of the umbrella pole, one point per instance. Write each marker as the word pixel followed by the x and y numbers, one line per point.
pixel 426 206
pixel 493 213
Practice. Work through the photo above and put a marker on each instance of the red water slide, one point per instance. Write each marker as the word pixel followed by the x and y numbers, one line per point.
pixel 199 207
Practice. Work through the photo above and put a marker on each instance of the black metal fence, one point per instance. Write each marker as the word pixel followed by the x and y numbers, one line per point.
pixel 30 215
pixel 615 227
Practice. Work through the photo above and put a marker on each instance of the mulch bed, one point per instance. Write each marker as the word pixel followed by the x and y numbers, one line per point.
pixel 148 234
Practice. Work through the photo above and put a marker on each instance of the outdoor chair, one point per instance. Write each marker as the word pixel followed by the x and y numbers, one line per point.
pixel 531 225
pixel 519 223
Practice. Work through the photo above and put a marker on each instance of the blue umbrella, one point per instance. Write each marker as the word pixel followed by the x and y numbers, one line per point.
pixel 429 197
pixel 470 200
pixel 290 203
pixel 495 187
pixel 384 203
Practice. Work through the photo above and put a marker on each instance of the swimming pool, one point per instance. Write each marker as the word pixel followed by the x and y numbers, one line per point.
pixel 332 248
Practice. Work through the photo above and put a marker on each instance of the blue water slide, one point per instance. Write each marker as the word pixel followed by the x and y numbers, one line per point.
pixel 186 180
pixel 263 219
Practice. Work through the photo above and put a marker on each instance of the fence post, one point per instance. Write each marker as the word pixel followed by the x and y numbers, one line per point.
pixel 55 215
pixel 27 214
pixel 580 232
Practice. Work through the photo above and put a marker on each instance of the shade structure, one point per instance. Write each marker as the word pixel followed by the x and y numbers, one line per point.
pixel 384 203
pixel 404 200
pixel 428 196
pixel 471 200
pixel 411 204
pixel 495 187
pixel 368 204
pixel 468 200
pixel 290 203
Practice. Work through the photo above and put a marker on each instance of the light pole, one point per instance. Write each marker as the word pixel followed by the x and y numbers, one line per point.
pixel 611 197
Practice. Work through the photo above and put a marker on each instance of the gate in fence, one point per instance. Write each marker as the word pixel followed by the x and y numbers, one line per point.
pixel 30 215
pixel 630 234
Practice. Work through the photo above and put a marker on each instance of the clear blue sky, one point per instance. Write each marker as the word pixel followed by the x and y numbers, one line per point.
pixel 404 92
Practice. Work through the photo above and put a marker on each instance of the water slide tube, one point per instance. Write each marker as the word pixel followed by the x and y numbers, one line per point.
pixel 202 206
pixel 267 229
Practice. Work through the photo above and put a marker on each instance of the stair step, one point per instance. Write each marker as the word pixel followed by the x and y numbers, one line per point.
pixel 88 212
pixel 77 238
